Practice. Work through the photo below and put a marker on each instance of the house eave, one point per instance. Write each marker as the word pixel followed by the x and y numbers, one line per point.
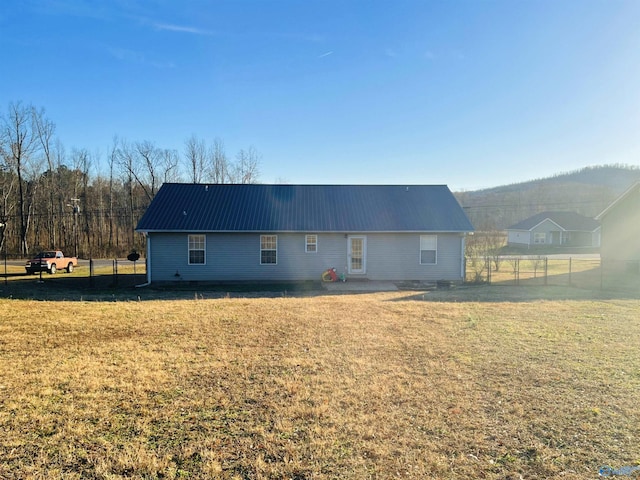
pixel 617 201
pixel 148 231
pixel 547 219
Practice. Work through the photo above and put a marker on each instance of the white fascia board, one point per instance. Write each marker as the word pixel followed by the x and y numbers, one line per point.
pixel 618 200
pixel 540 223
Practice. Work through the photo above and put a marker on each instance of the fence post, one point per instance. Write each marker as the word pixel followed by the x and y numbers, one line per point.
pixel 518 271
pixel 546 269
pixel 569 271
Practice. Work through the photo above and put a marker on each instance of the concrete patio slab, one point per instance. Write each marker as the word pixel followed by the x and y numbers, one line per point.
pixel 360 286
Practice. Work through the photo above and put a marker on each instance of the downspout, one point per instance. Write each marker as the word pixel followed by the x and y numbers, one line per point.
pixel 463 263
pixel 147 260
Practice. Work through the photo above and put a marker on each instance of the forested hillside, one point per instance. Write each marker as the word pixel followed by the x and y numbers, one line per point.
pixel 587 191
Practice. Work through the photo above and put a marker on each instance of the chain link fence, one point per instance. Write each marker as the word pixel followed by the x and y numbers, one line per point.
pixel 93 274
pixel 529 270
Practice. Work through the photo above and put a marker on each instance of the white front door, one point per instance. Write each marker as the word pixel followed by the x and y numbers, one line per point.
pixel 357 254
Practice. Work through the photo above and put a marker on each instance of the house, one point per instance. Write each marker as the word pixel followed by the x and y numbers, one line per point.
pixel 621 230
pixel 559 229
pixel 224 233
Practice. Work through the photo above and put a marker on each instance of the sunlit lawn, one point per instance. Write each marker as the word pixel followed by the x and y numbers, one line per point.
pixel 581 273
pixel 381 385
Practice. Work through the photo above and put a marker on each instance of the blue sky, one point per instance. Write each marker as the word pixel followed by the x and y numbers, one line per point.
pixel 471 94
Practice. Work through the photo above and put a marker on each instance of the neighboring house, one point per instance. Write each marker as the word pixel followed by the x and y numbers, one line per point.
pixel 621 230
pixel 221 233
pixel 559 229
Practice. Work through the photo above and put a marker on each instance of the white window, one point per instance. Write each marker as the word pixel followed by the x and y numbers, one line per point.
pixel 268 249
pixel 311 243
pixel 539 237
pixel 197 249
pixel 428 249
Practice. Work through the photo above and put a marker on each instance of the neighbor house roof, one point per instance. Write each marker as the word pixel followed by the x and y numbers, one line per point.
pixel 567 221
pixel 304 208
pixel 618 200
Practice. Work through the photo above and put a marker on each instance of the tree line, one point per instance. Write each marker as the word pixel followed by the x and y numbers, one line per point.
pixel 52 197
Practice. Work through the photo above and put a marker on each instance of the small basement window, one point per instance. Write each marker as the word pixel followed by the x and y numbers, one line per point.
pixel 311 243
pixel 268 249
pixel 197 249
pixel 428 249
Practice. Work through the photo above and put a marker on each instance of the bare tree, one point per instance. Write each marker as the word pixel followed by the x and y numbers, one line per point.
pixel 7 188
pixel 196 158
pixel 476 258
pixel 40 182
pixel 537 263
pixel 169 160
pixel 149 157
pixel 20 145
pixel 126 161
pixel 139 161
pixel 219 171
pixel 247 167
pixel 81 165
pixel 44 130
pixel 112 159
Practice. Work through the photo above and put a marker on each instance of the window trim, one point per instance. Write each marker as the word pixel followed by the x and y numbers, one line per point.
pixel 190 248
pixel 275 237
pixel 433 238
pixel 307 243
pixel 539 235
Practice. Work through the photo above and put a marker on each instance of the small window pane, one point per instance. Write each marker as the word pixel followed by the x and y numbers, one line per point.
pixel 268 249
pixel 311 244
pixel 196 249
pixel 428 249
pixel 196 256
pixel 427 256
pixel 268 257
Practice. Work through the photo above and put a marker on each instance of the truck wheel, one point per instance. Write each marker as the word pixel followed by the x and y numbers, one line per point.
pixel 70 267
pixel 52 270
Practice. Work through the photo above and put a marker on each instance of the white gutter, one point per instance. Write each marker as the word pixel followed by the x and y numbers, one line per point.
pixel 462 261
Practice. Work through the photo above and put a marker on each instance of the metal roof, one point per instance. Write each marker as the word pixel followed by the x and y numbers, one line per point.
pixel 568 221
pixel 304 208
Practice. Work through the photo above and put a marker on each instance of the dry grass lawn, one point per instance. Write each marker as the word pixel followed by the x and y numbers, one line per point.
pixel 372 386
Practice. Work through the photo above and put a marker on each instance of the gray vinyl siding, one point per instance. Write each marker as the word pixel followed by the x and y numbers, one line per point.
pixel 397 257
pixel 236 257
pixel 521 237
